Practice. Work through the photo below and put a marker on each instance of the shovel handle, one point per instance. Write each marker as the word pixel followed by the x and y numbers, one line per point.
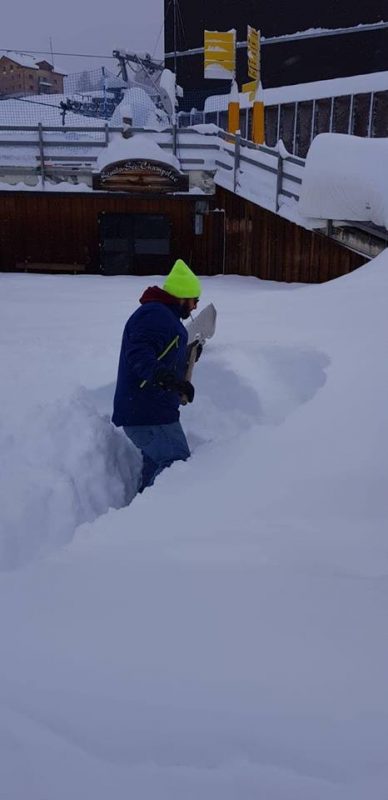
pixel 189 370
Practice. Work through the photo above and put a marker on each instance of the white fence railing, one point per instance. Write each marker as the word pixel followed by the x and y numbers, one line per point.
pixel 269 177
pixel 62 152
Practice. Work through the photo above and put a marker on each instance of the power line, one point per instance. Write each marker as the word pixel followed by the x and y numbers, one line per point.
pixel 45 53
pixel 160 32
pixel 32 102
pixel 295 37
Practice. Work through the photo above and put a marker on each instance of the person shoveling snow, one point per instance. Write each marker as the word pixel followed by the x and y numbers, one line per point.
pixel 154 371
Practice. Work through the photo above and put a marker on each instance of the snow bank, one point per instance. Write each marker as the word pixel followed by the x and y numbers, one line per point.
pixel 63 465
pixel 346 178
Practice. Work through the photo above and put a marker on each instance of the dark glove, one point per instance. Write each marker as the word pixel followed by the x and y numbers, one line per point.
pixel 168 381
pixel 198 347
pixel 186 391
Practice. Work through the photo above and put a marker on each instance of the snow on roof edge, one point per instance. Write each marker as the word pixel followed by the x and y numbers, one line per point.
pixel 314 90
pixel 28 61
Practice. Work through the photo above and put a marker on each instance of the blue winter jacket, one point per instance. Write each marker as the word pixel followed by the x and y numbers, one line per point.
pixel 154 338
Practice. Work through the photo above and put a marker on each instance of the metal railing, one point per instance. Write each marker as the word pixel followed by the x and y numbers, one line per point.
pixel 57 155
pixel 60 152
pixel 287 171
pixel 297 123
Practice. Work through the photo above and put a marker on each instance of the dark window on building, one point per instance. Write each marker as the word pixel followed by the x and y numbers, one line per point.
pixel 134 243
pixel 223 117
pixel 271 125
pixel 287 117
pixel 304 127
pixel 151 234
pixel 322 117
pixel 361 110
pixel 341 114
pixel 380 114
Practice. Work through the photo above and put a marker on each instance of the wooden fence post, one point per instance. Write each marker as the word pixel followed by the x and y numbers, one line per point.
pixel 174 136
pixel 237 147
pixel 41 153
pixel 279 180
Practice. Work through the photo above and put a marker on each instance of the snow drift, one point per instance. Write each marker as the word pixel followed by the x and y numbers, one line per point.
pixel 346 178
pixel 64 465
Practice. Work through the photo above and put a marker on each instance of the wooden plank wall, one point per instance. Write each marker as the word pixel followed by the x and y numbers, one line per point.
pixel 63 228
pixel 261 243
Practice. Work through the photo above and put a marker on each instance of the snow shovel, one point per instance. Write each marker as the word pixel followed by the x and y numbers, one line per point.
pixel 200 328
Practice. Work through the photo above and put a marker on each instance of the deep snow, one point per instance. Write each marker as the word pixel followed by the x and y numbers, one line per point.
pixel 224 635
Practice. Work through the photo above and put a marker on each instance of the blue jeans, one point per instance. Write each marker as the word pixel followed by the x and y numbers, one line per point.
pixel 160 446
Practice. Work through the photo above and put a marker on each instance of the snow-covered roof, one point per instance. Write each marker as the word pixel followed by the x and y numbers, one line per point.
pixel 23 59
pixel 28 61
pixel 138 146
pixel 355 84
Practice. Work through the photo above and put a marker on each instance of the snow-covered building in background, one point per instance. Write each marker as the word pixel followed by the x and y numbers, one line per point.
pixel 285 62
pixel 22 74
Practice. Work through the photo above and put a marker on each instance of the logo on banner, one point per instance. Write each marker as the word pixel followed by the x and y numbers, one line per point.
pixel 140 175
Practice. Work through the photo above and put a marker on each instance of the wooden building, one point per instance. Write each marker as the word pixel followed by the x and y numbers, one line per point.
pixel 144 207
pixel 21 74
pixel 115 233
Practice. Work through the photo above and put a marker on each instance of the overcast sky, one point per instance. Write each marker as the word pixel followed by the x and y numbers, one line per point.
pixel 83 26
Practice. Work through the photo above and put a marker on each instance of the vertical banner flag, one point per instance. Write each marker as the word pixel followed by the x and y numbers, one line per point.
pixel 253 51
pixel 220 55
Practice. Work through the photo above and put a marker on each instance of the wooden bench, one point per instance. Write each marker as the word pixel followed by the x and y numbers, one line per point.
pixel 38 266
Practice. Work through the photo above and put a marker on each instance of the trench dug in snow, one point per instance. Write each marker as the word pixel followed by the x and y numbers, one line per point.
pixel 67 464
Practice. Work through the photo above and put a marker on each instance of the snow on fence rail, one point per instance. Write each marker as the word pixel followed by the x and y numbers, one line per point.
pixel 269 177
pixel 62 151
pixel 262 174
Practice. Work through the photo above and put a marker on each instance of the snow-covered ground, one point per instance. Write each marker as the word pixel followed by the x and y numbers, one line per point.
pixel 224 635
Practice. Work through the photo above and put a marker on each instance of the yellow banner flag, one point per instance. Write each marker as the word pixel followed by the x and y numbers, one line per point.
pixel 253 52
pixel 220 55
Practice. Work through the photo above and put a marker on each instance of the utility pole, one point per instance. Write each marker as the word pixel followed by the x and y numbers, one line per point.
pixel 51 51
pixel 175 37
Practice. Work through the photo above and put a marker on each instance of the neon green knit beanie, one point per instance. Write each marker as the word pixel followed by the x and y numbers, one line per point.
pixel 181 281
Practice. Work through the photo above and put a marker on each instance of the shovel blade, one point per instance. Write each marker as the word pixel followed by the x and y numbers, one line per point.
pixel 203 326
